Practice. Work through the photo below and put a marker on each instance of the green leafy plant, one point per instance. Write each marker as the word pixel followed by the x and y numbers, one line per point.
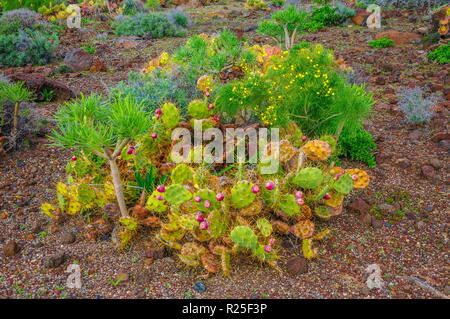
pixel 441 54
pixel 285 24
pixel 154 25
pixel 93 125
pixel 383 42
pixel 24 39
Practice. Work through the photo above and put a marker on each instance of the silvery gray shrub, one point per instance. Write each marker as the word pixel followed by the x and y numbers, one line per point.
pixel 416 107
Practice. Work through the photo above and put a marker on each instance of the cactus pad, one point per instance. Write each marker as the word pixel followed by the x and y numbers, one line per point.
pixel 309 177
pixel 344 184
pixel 244 237
pixel 363 178
pixel 317 150
pixel 176 194
pixel 241 195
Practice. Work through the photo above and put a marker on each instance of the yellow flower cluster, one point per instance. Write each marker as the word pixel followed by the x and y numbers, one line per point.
pixel 162 62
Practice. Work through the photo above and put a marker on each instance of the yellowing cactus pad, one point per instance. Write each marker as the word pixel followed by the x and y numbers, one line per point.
pixel 317 150
pixel 361 178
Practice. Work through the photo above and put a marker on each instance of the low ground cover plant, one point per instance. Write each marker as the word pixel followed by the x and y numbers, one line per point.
pixel 25 39
pixel 441 54
pixel 383 42
pixel 417 108
pixel 155 25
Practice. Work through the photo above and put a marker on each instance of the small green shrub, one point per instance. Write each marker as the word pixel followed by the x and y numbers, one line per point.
pixel 331 16
pixel 441 54
pixel 25 39
pixel 303 86
pixel 155 25
pixel 7 5
pixel 211 56
pixel 383 42
pixel 358 144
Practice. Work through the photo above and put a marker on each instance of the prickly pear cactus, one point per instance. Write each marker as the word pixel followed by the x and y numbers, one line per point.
pixel 154 204
pixel 241 194
pixel 309 178
pixel 254 209
pixel 182 173
pixel 317 150
pixel 288 204
pixel 307 247
pixel 303 229
pixel 176 194
pixel 344 184
pixel 323 212
pixel 244 237
pixel 190 253
pixel 264 226
pixel 198 109
pixel 361 178
pixel 207 200
pixel 219 222
pixel 170 115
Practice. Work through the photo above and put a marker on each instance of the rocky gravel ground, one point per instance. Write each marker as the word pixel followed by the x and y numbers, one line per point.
pixel 401 223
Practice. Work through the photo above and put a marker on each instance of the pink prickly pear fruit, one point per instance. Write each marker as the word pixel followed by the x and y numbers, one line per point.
pixel 159 197
pixel 300 201
pixel 267 248
pixel 216 118
pixel 355 177
pixel 158 112
pixel 272 241
pixel 256 189
pixel 220 197
pixel 304 138
pixel 211 106
pixel 74 158
pixel 198 199
pixel 326 196
pixel 270 185
pixel 154 135
pixel 338 176
pixel 204 225
pixel 207 94
pixel 161 188
pixel 299 194
pixel 200 218
pixel 207 204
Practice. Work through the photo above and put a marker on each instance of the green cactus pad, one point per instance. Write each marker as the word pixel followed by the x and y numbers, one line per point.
pixel 206 123
pixel 241 195
pixel 182 173
pixel 198 109
pixel 344 184
pixel 288 205
pixel 309 177
pixel 322 212
pixel 244 237
pixel 264 226
pixel 330 140
pixel 207 194
pixel 170 115
pixel 176 194
pixel 155 205
pixel 218 223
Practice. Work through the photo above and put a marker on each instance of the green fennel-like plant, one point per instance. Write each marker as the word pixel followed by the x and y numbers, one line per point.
pixel 285 24
pixel 95 125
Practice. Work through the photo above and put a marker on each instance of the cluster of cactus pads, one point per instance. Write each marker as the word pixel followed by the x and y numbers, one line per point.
pixel 207 218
